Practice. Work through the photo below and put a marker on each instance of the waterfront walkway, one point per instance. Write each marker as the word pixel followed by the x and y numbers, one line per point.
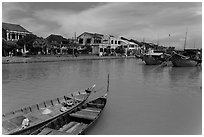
pixel 33 59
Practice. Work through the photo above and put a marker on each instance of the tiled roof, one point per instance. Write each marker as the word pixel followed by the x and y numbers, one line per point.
pixel 13 27
pixel 92 34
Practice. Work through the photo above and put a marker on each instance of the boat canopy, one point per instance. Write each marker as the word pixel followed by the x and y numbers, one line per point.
pixel 155 54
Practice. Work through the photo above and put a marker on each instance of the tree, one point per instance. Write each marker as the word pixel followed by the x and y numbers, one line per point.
pixel 27 41
pixel 120 50
pixel 8 46
pixel 41 45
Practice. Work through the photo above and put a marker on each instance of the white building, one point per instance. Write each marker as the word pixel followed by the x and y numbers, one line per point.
pixel 109 44
pixel 130 47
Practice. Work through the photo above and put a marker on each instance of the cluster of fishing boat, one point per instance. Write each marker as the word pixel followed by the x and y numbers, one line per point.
pixel 186 58
pixel 71 114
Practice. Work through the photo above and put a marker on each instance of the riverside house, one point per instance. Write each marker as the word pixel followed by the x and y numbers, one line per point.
pixel 109 44
pixel 12 33
pixel 130 47
pixel 90 39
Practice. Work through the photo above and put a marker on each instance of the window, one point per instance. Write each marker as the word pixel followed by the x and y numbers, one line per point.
pixel 88 41
pixel 111 41
pixel 13 36
pixel 9 36
pixel 125 46
pixel 20 36
pixel 101 49
pixel 80 41
pixel 116 42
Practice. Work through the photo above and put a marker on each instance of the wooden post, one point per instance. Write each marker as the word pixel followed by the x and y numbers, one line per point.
pixel 45 104
pixel 30 109
pixel 38 107
pixel 58 100
pixel 108 83
pixel 52 102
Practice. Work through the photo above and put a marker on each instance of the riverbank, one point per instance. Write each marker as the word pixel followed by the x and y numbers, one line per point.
pixel 34 59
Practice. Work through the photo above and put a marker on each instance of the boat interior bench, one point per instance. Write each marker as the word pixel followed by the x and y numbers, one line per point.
pixel 85 114
pixel 50 131
pixel 92 109
pixel 73 127
pixel 96 105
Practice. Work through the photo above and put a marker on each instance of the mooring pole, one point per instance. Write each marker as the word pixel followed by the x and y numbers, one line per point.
pixel 108 82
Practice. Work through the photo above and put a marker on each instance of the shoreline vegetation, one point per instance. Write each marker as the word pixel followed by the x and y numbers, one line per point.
pixel 52 58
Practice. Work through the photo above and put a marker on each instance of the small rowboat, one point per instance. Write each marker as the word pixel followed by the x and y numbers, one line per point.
pixel 40 114
pixel 77 122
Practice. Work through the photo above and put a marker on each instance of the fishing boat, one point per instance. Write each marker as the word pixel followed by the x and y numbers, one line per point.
pixel 152 58
pixel 26 120
pixel 78 121
pixel 179 60
pixel 187 58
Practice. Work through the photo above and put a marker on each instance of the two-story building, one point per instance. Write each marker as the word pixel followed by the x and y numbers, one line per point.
pixel 109 44
pixel 90 39
pixel 13 32
pixel 130 47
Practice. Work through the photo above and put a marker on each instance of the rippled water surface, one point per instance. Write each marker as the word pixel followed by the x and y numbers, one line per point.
pixel 143 99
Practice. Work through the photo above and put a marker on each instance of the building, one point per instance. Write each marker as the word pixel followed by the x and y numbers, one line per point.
pixel 109 44
pixel 130 47
pixel 13 32
pixel 90 39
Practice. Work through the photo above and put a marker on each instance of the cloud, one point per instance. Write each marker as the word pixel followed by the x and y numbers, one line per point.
pixel 152 21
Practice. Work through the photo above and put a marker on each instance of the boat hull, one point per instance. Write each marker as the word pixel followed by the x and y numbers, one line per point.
pixel 77 122
pixel 41 114
pixel 151 60
pixel 183 62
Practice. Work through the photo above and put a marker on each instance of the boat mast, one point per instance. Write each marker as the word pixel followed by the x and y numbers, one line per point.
pixel 185 39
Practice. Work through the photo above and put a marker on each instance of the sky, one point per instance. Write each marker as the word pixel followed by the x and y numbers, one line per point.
pixel 156 22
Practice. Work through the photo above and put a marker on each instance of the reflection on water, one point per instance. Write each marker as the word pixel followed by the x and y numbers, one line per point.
pixel 143 99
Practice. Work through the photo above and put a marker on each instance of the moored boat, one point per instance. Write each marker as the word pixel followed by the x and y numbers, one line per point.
pixel 78 121
pixel 29 119
pixel 184 61
pixel 152 58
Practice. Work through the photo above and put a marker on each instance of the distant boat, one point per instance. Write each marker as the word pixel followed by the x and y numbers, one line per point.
pixel 42 113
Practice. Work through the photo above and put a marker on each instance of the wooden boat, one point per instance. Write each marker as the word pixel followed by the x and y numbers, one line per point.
pixel 78 121
pixel 152 58
pixel 187 58
pixel 42 113
pixel 184 61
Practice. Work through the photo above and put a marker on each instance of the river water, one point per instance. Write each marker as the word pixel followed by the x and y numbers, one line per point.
pixel 143 100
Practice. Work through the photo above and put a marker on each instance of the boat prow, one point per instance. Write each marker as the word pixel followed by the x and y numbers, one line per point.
pixel 40 114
